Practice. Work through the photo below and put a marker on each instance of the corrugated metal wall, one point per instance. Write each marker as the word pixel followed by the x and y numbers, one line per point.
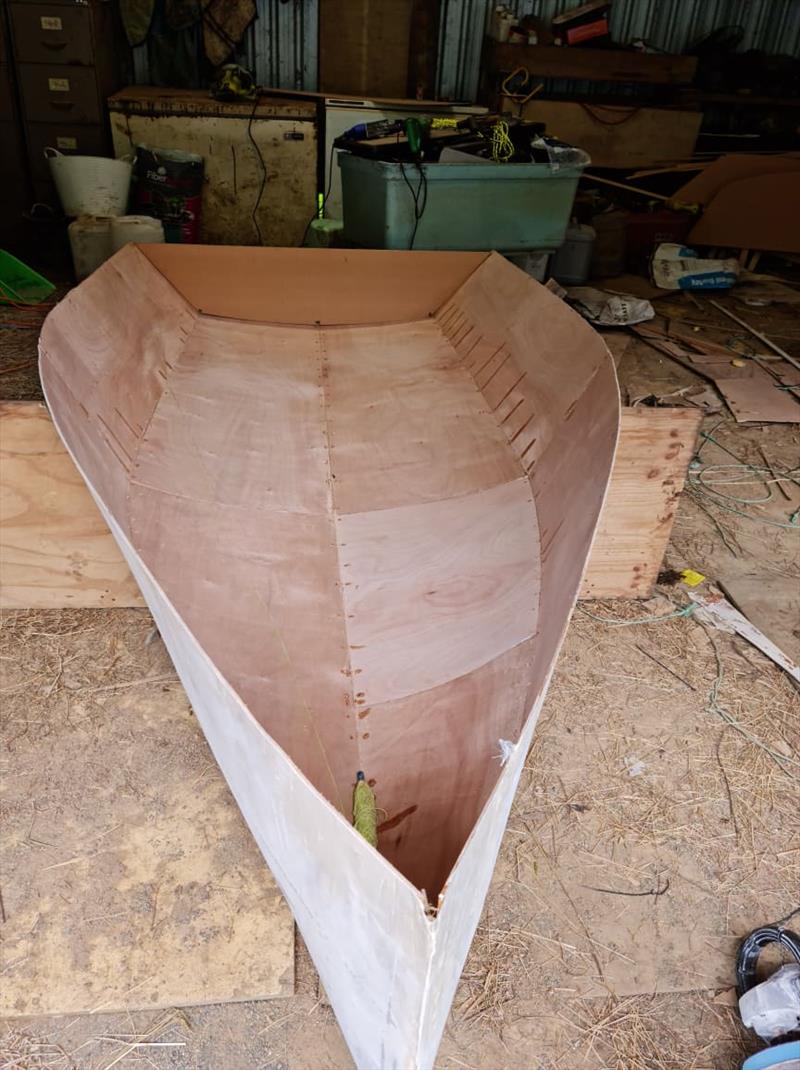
pixel 280 47
pixel 671 25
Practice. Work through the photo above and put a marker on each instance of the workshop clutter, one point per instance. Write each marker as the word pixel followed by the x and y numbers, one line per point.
pixel 479 183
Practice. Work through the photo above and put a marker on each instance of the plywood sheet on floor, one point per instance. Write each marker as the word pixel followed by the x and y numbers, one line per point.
pixel 55 548
pixel 771 604
pixel 129 878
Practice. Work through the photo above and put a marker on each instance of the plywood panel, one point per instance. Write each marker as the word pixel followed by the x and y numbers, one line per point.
pixel 55 548
pixel 406 426
pixel 241 421
pixel 434 591
pixel 130 880
pixel 618 135
pixel 62 554
pixel 653 454
pixel 364 287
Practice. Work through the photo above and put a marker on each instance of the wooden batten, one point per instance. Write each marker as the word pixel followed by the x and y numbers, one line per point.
pixel 56 550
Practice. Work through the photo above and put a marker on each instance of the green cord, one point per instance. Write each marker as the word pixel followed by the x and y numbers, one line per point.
pixel 699 487
pixel 685 612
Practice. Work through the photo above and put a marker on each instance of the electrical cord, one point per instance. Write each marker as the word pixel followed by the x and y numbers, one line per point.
pixel 750 950
pixel 422 189
pixel 257 205
pixel 321 209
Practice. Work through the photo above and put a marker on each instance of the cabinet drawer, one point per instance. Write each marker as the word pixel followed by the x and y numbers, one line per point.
pixel 52 33
pixel 55 93
pixel 70 138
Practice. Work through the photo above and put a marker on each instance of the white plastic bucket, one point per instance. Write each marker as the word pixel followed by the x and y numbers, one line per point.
pixel 90 185
pixel 137 228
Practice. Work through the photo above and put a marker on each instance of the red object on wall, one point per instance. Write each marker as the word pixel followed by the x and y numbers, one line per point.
pixel 587 32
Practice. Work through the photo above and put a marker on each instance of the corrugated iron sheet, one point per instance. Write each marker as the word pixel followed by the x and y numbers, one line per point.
pixel 671 25
pixel 280 46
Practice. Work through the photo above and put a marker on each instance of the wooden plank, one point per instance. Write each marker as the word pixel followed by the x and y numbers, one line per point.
pixel 619 136
pixel 153 100
pixel 56 549
pixel 593 64
pixel 130 880
pixel 655 447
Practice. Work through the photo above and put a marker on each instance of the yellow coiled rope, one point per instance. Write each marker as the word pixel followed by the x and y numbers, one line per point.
pixel 502 145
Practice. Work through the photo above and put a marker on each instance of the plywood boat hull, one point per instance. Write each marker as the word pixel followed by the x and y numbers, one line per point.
pixel 358 491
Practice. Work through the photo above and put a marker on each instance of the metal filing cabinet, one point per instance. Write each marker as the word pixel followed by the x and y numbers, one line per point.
pixel 67 63
pixel 13 172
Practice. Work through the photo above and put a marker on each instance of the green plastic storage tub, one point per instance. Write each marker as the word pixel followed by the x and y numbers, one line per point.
pixel 510 207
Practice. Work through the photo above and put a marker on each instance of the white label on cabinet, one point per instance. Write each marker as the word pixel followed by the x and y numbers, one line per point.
pixel 58 85
pixel 67 143
pixel 50 22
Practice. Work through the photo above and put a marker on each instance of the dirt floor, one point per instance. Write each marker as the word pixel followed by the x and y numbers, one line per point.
pixel 655 824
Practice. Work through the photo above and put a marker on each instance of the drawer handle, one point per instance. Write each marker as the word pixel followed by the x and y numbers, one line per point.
pixel 54 46
pixel 64 104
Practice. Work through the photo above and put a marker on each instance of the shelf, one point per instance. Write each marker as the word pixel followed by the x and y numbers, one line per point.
pixel 592 64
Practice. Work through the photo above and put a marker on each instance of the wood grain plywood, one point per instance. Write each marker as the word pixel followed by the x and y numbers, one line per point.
pixel 406 425
pixel 240 421
pixel 302 287
pixel 434 591
pixel 259 589
pixel 130 880
pixel 419 596
pixel 653 456
pixel 63 555
pixel 130 322
pixel 619 135
pixel 753 213
pixel 55 548
pixel 427 808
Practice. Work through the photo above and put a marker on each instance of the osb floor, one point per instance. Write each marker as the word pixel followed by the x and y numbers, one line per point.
pixel 654 826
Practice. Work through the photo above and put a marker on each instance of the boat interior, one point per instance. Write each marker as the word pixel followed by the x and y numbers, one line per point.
pixel 346 470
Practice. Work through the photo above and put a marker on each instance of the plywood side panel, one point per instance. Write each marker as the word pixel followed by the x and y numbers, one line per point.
pixel 431 810
pixel 406 426
pixel 260 589
pixel 653 455
pixel 56 551
pixel 313 287
pixel 349 903
pixel 110 345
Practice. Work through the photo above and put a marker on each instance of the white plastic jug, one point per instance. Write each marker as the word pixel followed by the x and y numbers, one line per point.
pixel 137 228
pixel 90 243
